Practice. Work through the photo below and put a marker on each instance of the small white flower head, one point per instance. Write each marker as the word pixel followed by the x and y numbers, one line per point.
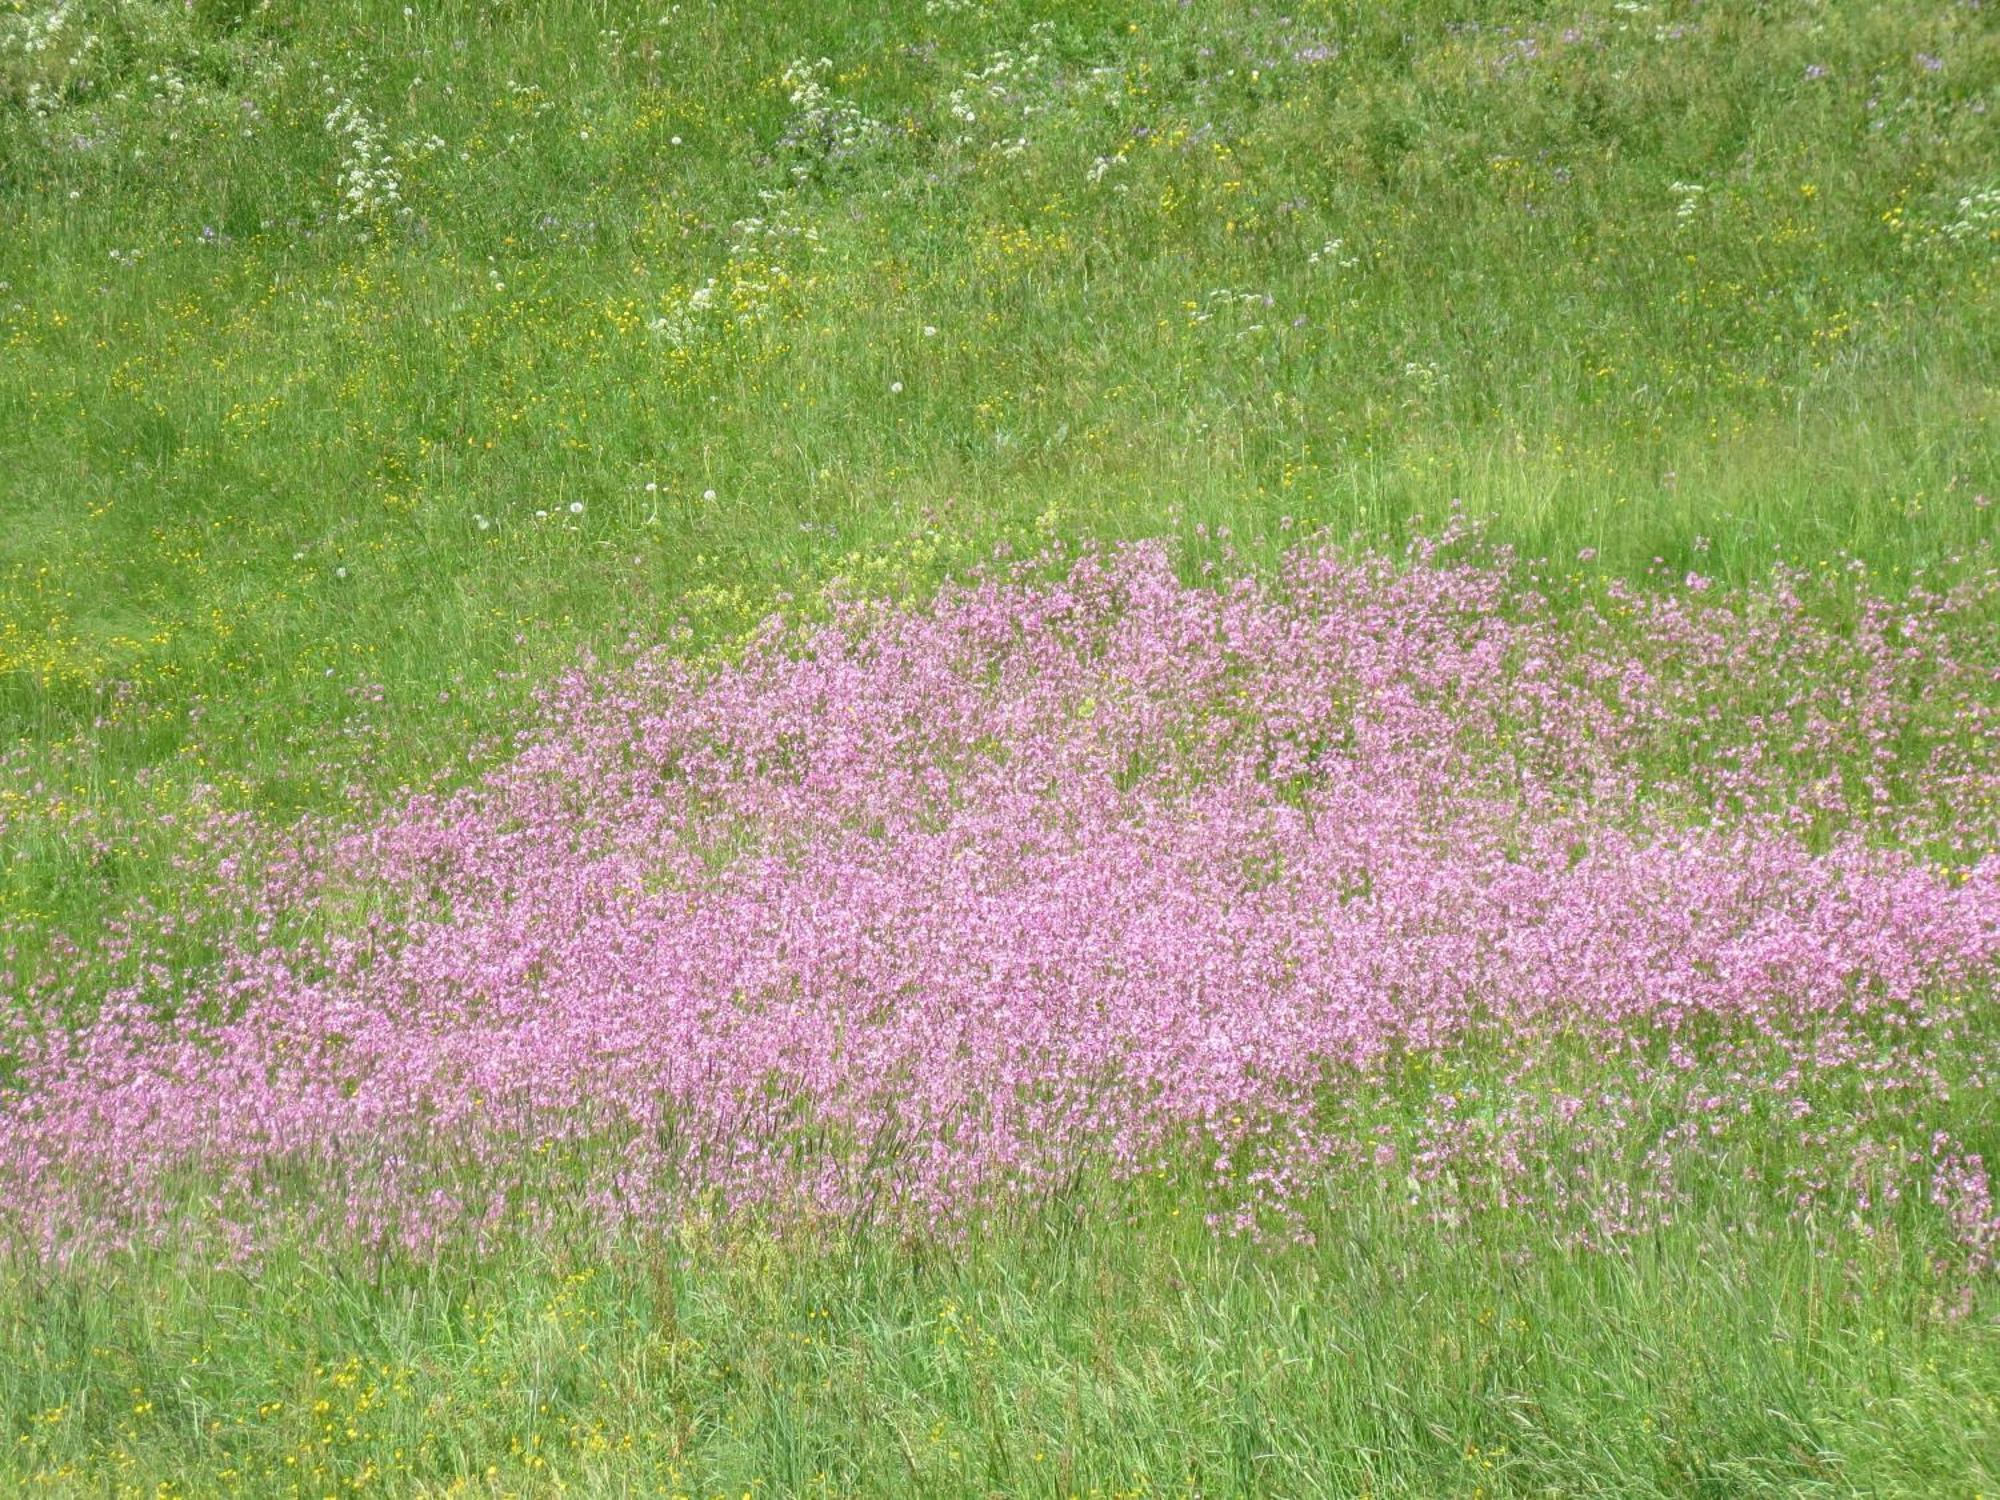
pixel 895 387
pixel 676 141
pixel 929 331
pixel 298 557
pixel 541 515
pixel 708 494
pixel 576 507
pixel 340 572
pixel 483 522
pixel 652 487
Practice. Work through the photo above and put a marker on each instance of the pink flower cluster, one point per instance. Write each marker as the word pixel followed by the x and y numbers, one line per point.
pixel 923 911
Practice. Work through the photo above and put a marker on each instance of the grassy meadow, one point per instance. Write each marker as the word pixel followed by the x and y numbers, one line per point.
pixel 399 403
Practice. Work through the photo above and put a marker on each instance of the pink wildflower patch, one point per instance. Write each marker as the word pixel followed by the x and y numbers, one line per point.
pixel 919 912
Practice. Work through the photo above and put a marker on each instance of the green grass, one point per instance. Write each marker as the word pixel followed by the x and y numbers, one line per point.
pixel 269 540
pixel 198 441
pixel 1113 1350
pixel 1425 1338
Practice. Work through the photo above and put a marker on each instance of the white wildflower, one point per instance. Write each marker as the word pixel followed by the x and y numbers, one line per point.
pixel 1333 253
pixel 369 183
pixel 1977 217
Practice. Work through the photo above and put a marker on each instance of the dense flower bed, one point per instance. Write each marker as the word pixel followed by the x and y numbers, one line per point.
pixel 924 911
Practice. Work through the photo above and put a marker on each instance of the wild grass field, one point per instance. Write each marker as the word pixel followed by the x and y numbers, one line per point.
pixel 987 748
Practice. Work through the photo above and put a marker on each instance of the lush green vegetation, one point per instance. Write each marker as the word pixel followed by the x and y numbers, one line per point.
pixel 1123 1351
pixel 361 363
pixel 249 448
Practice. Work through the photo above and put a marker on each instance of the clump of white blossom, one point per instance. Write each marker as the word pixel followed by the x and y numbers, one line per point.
pixel 1013 85
pixel 823 128
pixel 1334 253
pixel 371 188
pixel 1977 217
